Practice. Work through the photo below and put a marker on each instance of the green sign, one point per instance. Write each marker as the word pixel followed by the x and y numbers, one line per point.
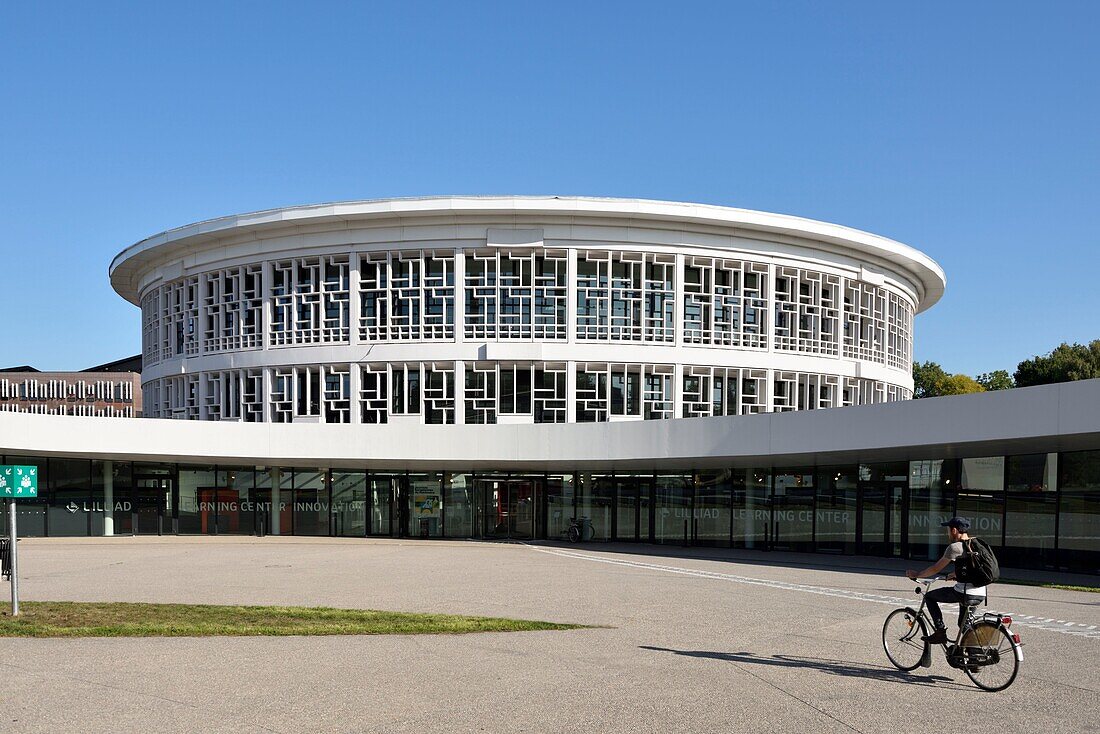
pixel 18 481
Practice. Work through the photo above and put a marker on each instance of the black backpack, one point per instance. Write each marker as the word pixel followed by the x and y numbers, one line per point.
pixel 977 565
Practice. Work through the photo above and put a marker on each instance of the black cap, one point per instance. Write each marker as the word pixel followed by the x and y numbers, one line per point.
pixel 959 523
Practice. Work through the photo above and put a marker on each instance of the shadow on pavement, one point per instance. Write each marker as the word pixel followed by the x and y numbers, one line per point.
pixel 833 667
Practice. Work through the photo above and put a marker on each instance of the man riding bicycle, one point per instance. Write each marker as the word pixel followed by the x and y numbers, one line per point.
pixel 957 528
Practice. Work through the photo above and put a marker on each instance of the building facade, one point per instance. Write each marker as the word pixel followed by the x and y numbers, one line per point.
pixel 500 367
pixel 87 393
pixel 520 310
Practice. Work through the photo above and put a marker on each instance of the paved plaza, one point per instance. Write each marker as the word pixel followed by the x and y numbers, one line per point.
pixel 686 640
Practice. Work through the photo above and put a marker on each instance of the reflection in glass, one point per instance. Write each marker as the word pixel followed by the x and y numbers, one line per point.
pixel 793 509
pixel 459 505
pixel 425 505
pixel 672 495
pixel 595 496
pixel 310 503
pixel 560 496
pixel 349 503
pixel 749 507
pixel 835 513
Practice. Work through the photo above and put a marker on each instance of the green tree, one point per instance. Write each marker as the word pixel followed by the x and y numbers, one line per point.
pixel 960 385
pixel 928 379
pixel 1066 363
pixel 996 380
pixel 931 381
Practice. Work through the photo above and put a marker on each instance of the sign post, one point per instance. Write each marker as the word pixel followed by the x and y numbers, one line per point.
pixel 15 482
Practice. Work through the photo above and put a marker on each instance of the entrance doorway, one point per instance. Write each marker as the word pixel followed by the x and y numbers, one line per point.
pixel 880 519
pixel 152 512
pixel 510 507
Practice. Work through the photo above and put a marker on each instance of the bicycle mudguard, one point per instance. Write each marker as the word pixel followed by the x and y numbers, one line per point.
pixel 926 658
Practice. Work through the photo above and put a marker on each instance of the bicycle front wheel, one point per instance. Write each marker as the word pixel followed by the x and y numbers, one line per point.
pixel 991 660
pixel 902 635
pixel 574 534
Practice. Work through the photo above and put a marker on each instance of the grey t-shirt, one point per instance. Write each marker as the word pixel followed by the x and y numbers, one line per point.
pixel 953 551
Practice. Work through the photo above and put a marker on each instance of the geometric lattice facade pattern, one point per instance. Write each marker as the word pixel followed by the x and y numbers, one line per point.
pixel 533 320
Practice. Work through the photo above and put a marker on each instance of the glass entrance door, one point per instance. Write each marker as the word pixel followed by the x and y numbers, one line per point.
pixel 793 511
pixel 632 507
pixel 880 520
pixel 510 507
pixel 152 505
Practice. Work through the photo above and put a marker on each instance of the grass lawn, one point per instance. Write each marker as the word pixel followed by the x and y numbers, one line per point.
pixel 120 619
pixel 1064 587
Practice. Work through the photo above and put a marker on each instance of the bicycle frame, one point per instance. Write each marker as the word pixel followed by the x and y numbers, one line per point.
pixel 968 619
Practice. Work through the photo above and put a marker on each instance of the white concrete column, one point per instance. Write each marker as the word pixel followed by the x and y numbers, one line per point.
pixel 355 384
pixel 108 498
pixel 201 291
pixel 268 303
pixel 353 299
pixel 571 390
pixel 460 295
pixel 678 307
pixel 460 393
pixel 571 303
pixel 770 323
pixel 677 390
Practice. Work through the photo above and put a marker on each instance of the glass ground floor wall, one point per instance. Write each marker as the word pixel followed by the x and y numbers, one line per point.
pixel 1037 510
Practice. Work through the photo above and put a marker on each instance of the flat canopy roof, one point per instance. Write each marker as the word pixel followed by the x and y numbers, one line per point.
pixel 1063 417
pixel 125 270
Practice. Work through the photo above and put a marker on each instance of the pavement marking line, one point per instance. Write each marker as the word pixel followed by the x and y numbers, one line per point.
pixel 1050 625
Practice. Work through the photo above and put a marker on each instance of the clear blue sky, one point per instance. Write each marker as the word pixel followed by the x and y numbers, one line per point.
pixel 968 130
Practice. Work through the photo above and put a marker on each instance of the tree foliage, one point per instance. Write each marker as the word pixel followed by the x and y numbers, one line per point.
pixel 996 380
pixel 931 380
pixel 1066 363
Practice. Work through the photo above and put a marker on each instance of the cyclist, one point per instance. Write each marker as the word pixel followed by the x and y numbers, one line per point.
pixel 957 528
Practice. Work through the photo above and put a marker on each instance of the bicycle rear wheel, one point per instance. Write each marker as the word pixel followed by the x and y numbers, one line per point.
pixel 901 638
pixel 992 663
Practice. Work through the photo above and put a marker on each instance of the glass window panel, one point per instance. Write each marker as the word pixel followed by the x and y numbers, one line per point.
pixel 751 514
pixel 1029 529
pixel 1080 470
pixel 985 474
pixel 632 506
pixel 459 505
pixel 197 489
pixel 1078 538
pixel 310 502
pixel 560 496
pixel 384 492
pixel 672 494
pixel 1031 473
pixel 931 502
pixel 425 505
pixel 595 495
pixel 349 503
pixel 69 497
pixel 985 512
pixel 713 494
pixel 835 513
pixel 882 488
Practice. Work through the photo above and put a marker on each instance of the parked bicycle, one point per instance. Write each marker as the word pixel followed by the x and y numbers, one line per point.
pixel 579 529
pixel 985 647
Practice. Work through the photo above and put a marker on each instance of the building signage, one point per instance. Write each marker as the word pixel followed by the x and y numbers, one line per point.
pixel 18 481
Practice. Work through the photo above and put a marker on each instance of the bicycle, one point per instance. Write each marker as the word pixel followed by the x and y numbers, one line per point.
pixel 579 529
pixel 985 648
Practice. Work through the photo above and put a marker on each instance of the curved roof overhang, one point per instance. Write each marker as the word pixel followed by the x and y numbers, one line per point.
pixel 128 266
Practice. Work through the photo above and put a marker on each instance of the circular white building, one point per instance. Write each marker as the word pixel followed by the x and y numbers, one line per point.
pixel 461 310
